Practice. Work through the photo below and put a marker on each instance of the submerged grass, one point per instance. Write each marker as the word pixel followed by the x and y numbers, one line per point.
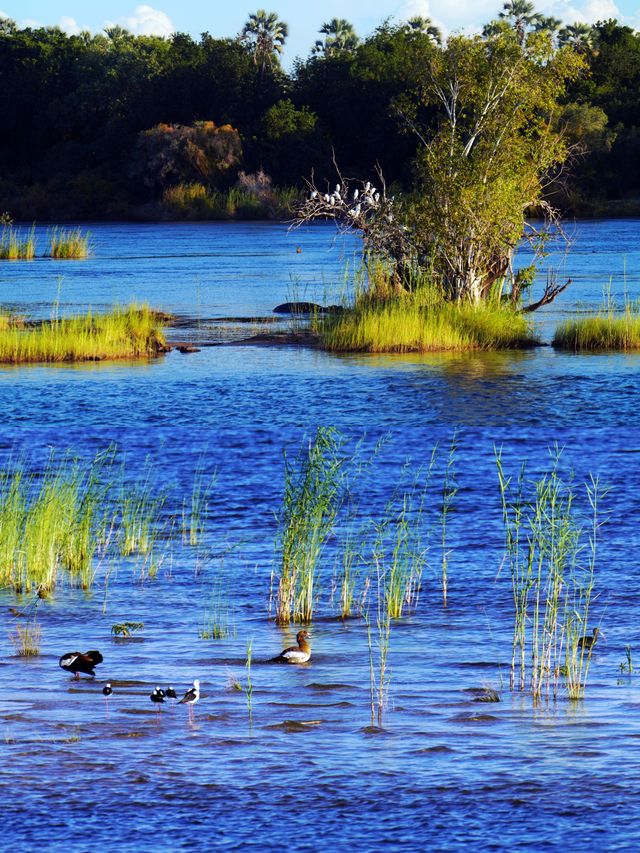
pixel 422 322
pixel 26 639
pixel 129 332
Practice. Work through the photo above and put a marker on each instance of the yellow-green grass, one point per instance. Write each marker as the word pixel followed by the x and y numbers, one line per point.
pixel 605 331
pixel 15 245
pixel 406 324
pixel 129 332
pixel 68 245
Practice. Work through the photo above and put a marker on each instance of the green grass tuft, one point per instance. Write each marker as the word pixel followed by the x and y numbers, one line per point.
pixel 420 323
pixel 131 332
pixel 68 245
pixel 604 331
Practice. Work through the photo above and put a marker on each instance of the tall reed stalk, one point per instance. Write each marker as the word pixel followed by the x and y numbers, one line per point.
pixel 312 496
pixel 449 491
pixel 552 588
pixel 379 677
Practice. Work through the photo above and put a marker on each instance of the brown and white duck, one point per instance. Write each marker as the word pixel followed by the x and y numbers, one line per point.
pixel 79 662
pixel 296 654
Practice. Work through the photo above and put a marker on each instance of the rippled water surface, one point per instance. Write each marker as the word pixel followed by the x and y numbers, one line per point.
pixel 309 773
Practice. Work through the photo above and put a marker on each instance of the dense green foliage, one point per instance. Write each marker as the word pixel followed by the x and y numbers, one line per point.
pixel 80 109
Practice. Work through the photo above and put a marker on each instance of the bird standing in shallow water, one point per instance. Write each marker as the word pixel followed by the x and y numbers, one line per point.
pixel 589 642
pixel 296 654
pixel 191 697
pixel 77 662
pixel 157 697
pixel 107 690
pixel 170 693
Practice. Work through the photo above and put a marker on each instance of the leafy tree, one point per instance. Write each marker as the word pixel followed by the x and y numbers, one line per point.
pixel 265 34
pixel 426 26
pixel 488 160
pixel 521 15
pixel 582 37
pixel 293 143
pixel 339 35
pixel 171 154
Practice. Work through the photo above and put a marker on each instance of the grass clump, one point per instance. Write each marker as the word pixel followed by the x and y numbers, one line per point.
pixel 26 639
pixel 126 629
pixel 604 331
pixel 552 579
pixel 312 497
pixel 422 322
pixel 15 244
pixel 127 332
pixel 68 244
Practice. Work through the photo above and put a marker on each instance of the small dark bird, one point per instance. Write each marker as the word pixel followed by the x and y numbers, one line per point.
pixel 170 693
pixel 589 642
pixel 77 662
pixel 157 697
pixel 296 654
pixel 107 690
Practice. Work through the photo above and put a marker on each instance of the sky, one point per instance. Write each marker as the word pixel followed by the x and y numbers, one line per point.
pixel 222 18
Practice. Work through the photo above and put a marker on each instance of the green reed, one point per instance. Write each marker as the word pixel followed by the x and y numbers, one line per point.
pixel 218 621
pixel 312 497
pixel 248 690
pixel 15 245
pixel 50 522
pixel 379 675
pixel 26 639
pixel 194 512
pixel 139 508
pixel 69 244
pixel 449 491
pixel 552 586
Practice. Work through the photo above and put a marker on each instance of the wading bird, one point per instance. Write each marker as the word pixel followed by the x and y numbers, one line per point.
pixel 589 642
pixel 191 697
pixel 77 662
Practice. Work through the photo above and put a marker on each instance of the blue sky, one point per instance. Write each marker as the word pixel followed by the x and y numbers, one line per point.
pixel 304 19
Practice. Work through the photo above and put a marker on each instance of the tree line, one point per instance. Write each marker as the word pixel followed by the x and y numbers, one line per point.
pixel 103 125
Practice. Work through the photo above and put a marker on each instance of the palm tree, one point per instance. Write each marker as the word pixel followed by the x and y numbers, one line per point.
pixel 339 35
pixel 581 37
pixel 265 35
pixel 426 26
pixel 521 14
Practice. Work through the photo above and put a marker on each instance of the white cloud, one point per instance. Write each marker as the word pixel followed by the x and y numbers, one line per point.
pixel 601 10
pixel 145 21
pixel 69 26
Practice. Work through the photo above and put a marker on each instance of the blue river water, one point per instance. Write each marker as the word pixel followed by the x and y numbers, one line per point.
pixel 307 770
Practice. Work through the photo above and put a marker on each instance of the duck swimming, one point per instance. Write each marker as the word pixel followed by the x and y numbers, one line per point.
pixel 296 654
pixel 77 662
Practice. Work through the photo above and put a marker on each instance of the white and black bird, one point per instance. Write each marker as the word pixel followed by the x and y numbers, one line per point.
pixel 296 654
pixel 157 697
pixel 170 693
pixel 107 690
pixel 79 662
pixel 192 695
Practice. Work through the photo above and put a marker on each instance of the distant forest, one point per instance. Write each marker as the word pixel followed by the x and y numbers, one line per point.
pixel 116 126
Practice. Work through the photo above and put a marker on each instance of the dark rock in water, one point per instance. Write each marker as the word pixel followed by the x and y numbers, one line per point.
pixel 306 308
pixel 187 348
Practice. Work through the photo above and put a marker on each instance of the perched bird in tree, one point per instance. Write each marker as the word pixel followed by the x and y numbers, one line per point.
pixel 77 662
pixel 296 654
